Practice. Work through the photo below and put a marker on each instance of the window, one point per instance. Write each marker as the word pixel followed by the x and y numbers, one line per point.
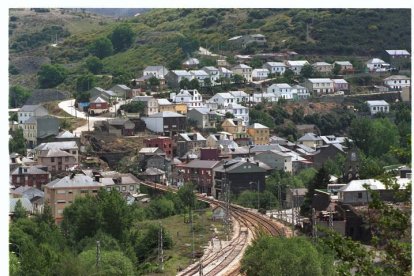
pixel 60 192
pixel 60 201
pixel 84 191
pixel 60 211
pixel 359 195
pixel 131 187
pixel 94 191
pixel 52 159
pixel 123 188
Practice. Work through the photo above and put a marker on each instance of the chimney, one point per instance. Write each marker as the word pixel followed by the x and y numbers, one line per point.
pixel 257 163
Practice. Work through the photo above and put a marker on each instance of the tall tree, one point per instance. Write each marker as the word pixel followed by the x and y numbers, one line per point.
pixel 122 37
pixel 101 47
pixel 281 256
pixel 94 64
pixel 320 181
pixel 51 75
pixel 18 95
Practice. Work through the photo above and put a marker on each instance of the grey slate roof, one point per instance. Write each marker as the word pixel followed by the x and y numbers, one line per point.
pixel 57 145
pixel 166 114
pixel 31 108
pixel 65 134
pixel 207 164
pixel 25 203
pixel 310 137
pixel 78 180
pixel 28 192
pixel 28 170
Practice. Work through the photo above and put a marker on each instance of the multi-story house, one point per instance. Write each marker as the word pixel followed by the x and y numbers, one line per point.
pixel 260 74
pixel 322 67
pixel 200 173
pixel 39 129
pixel 243 174
pixel 107 95
pixel 122 91
pixel 240 96
pixel 238 111
pixel 320 86
pixel 200 76
pixel 157 71
pixel 62 192
pixel 162 142
pixel 243 70
pixel 67 152
pixel 225 73
pixel 29 176
pixel 213 72
pixel 377 65
pixel 300 92
pixel 220 100
pixel 234 126
pixel 192 98
pixel 174 77
pixel 311 140
pixel 189 141
pixel 281 91
pixel 259 134
pixel 27 111
pixel 346 66
pixel 296 65
pixel 277 160
pixel 397 82
pixel 340 85
pixel 166 122
pixel 151 104
pixel 277 68
pixel 203 117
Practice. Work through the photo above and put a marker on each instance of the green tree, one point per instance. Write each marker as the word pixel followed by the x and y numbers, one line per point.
pixel 51 75
pixel 111 263
pixel 14 265
pixel 256 62
pixel 194 84
pixel 288 76
pixel 122 37
pixel 101 47
pixel 185 84
pixel 85 82
pixel 320 181
pixel 133 107
pixel 336 69
pixel 238 79
pixel 307 71
pixel 94 64
pixel 187 196
pixel 161 208
pixel 228 115
pixel 17 143
pixel 154 82
pixel 281 256
pixel 19 211
pixel 18 96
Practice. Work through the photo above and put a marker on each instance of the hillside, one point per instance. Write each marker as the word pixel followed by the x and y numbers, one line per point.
pixel 167 36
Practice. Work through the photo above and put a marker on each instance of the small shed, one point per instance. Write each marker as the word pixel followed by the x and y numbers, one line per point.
pixel 218 213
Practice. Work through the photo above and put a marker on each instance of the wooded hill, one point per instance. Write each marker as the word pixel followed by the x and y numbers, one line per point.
pixel 168 36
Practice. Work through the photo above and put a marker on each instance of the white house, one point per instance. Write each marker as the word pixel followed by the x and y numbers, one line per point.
pixel 378 106
pixel 221 100
pixel 244 70
pixel 27 111
pixel 199 75
pixel 345 65
pixel 225 73
pixel 277 68
pixel 377 65
pixel 398 53
pixel 296 65
pixel 175 76
pixel 397 82
pixel 260 97
pixel 240 96
pixel 158 122
pixel 213 72
pixel 300 92
pixel 191 62
pixel 190 97
pixel 320 86
pixel 281 90
pixel 157 71
pixel 239 111
pixel 260 74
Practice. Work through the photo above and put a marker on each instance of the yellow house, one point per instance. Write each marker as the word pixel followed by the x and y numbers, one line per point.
pixel 259 134
pixel 181 108
pixel 233 126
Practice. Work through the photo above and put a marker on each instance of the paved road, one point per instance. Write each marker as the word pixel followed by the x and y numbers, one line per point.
pixel 68 107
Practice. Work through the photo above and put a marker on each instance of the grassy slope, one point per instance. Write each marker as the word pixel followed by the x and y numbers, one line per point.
pixel 336 32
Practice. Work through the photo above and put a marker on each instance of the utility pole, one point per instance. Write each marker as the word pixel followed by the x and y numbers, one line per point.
pixel 314 231
pixel 161 250
pixel 258 196
pixel 98 254
pixel 192 242
pixel 331 219
pixel 226 188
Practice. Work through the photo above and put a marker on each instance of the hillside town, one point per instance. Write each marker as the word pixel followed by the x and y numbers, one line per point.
pixel 296 139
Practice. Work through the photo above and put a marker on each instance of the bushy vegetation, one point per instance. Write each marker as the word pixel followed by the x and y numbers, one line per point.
pixel 46 36
pixel 50 75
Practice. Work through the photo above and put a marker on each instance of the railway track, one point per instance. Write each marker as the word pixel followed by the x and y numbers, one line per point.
pixel 215 263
